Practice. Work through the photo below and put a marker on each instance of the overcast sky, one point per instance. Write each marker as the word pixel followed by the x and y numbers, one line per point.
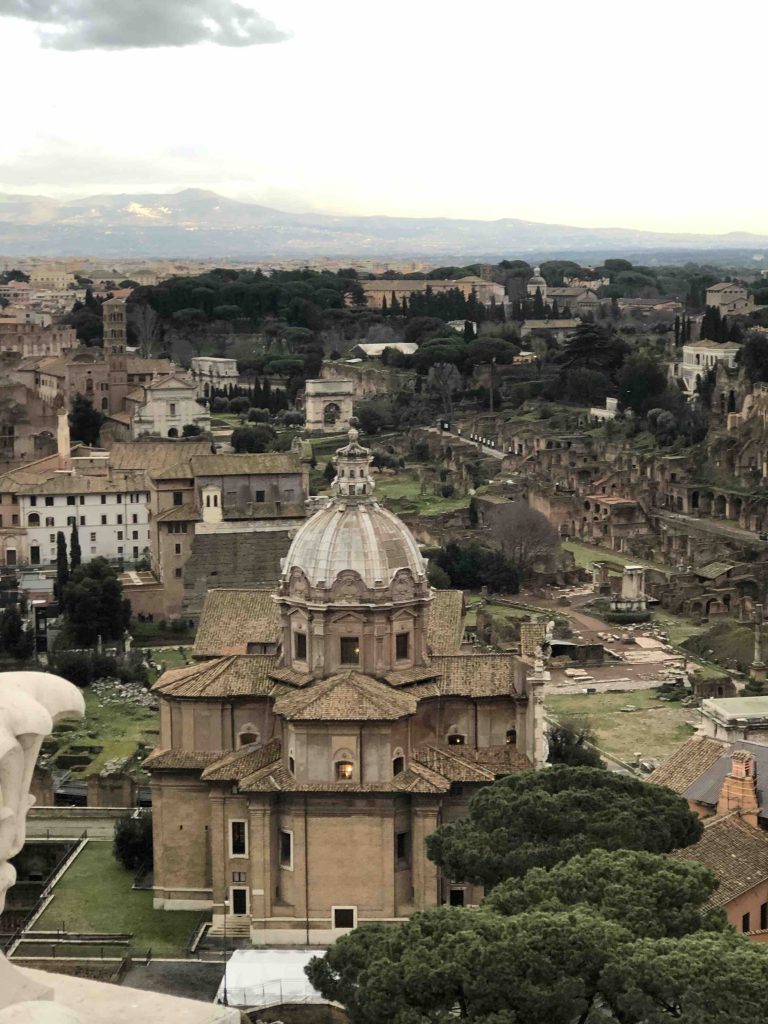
pixel 603 113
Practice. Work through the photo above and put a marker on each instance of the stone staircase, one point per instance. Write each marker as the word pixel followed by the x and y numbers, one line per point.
pixel 238 928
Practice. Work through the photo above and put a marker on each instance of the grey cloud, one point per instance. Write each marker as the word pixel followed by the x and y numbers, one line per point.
pixel 129 24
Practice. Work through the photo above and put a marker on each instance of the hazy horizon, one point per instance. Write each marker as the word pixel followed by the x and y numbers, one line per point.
pixel 417 110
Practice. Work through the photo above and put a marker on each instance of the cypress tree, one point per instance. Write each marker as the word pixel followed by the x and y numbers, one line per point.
pixel 75 555
pixel 677 330
pixel 384 304
pixel 62 565
pixel 538 304
pixel 405 305
pixel 394 306
pixel 555 309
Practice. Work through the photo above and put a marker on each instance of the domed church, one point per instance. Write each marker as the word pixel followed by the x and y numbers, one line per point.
pixel 325 730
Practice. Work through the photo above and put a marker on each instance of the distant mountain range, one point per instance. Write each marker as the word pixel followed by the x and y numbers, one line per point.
pixel 198 224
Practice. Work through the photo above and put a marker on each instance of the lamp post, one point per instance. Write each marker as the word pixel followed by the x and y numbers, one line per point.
pixel 226 911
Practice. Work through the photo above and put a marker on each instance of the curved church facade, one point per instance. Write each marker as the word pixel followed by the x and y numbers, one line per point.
pixel 325 730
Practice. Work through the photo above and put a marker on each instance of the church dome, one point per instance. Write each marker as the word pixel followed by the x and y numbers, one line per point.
pixel 360 537
pixel 537 279
pixel 354 537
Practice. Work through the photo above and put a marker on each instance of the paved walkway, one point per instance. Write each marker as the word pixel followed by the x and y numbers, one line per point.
pixel 484 448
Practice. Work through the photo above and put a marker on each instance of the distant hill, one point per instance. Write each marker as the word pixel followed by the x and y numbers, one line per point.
pixel 196 223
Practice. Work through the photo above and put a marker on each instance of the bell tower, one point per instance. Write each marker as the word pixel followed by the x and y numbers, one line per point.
pixel 115 336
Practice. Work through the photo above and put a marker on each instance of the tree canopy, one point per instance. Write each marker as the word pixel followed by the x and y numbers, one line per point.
pixel 539 819
pixel 654 897
pixel 94 603
pixel 85 421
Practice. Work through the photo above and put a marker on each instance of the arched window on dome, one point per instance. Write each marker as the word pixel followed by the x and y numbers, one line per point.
pixel 343 766
pixel 455 737
pixel 398 761
pixel 248 734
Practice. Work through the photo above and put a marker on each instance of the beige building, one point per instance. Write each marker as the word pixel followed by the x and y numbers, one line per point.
pixel 213 372
pixel 377 291
pixel 28 340
pixel 730 297
pixel 326 730
pixel 164 407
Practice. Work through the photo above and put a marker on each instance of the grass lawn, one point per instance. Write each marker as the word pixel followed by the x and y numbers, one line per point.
pixel 173 658
pixel 676 627
pixel 95 895
pixel 585 555
pixel 405 486
pixel 118 728
pixel 656 729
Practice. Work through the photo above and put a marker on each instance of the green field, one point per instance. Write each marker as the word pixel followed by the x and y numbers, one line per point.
pixel 95 896
pixel 118 728
pixel 398 490
pixel 586 554
pixel 656 729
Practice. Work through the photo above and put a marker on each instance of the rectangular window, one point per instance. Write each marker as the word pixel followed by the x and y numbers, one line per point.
pixel 763 916
pixel 259 496
pixel 402 644
pixel 134 518
pixel 745 922
pixel 402 843
pixel 14 520
pixel 178 498
pixel 119 499
pixel 135 552
pixel 33 500
pixel 350 650
pixel 286 848
pixel 71 520
pixel 82 499
pixel 300 646
pixel 82 520
pixel 49 502
pixel 344 917
pixel 103 520
pixel 177 548
pixel 177 573
pixel 456 897
pixel 239 876
pixel 173 408
pixel 52 537
pixel 119 520
pixel 135 535
pixel 238 840
pixel 93 537
pixel 49 521
pixel 70 499
pixel 103 499
pixel 119 534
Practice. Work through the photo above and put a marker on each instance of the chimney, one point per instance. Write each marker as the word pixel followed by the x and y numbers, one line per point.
pixel 63 443
pixel 739 789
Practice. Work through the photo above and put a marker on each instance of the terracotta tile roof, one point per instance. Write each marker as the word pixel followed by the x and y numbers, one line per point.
pixel 445 622
pixel 182 759
pixel 234 676
pixel 230 619
pixel 243 762
pixel 409 676
pixel 734 851
pixel 292 677
pixel 346 697
pixel 235 465
pixel 499 760
pixel 476 675
pixel 687 763
pixel 179 513
pixel 155 455
pixel 136 364
pixel 415 779
pixel 451 765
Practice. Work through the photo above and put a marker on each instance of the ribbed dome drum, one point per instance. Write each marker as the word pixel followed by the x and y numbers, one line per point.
pixel 360 536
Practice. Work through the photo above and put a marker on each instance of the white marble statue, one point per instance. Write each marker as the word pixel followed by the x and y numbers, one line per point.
pixel 31 703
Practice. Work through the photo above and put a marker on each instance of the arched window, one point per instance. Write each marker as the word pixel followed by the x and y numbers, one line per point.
pixel 291 762
pixel 343 766
pixel 173 432
pixel 104 404
pixel 248 734
pixel 398 761
pixel 34 519
pixel 456 738
pixel 512 737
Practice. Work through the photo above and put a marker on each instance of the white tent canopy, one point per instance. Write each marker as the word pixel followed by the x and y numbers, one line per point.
pixel 268 977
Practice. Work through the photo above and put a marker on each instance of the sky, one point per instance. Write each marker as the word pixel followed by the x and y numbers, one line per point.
pixel 598 114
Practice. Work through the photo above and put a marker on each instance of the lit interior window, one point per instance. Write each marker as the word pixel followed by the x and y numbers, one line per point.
pixel 344 770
